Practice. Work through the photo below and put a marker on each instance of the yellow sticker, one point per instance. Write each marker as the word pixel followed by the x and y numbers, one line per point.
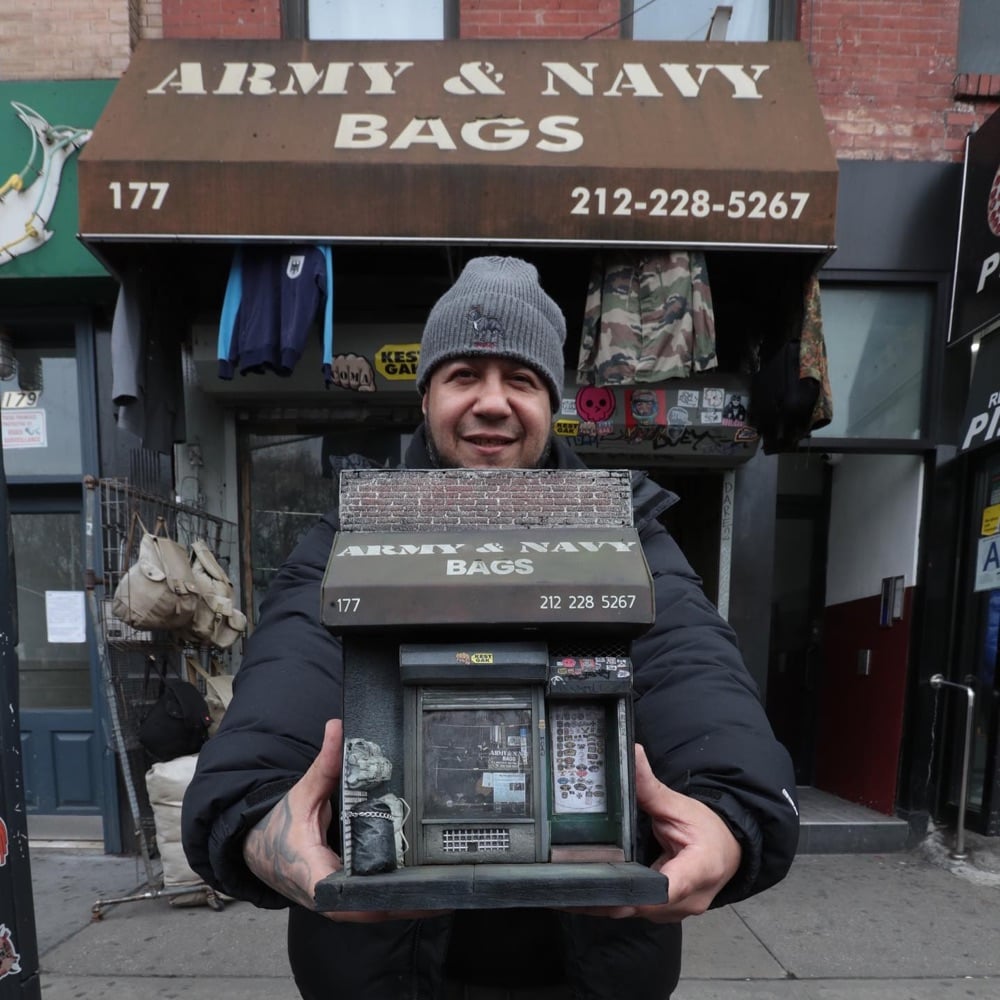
pixel 482 657
pixel 398 361
pixel 567 428
pixel 991 519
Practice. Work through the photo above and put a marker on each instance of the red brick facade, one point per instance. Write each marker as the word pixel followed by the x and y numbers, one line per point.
pixel 887 78
pixel 221 18
pixel 540 18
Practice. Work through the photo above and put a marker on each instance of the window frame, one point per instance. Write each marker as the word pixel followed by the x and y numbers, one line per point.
pixel 932 372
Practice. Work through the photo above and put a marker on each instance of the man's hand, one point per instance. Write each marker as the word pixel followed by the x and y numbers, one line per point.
pixel 699 856
pixel 287 849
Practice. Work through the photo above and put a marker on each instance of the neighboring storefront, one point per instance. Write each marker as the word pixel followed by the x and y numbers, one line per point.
pixel 52 290
pixel 975 325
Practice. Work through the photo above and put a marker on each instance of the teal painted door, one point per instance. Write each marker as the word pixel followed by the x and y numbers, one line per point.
pixel 62 752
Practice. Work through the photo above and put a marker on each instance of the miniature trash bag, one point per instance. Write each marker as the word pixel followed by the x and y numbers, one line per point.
pixel 373 839
pixel 158 591
pixel 216 620
pixel 177 722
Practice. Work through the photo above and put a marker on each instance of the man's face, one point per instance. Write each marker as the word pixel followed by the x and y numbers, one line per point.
pixel 487 413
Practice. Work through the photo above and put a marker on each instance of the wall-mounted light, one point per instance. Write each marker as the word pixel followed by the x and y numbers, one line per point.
pixel 7 363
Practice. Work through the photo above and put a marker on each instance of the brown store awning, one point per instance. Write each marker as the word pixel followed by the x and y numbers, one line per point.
pixel 528 142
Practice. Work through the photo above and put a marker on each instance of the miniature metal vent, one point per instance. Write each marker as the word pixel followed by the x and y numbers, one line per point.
pixel 472 838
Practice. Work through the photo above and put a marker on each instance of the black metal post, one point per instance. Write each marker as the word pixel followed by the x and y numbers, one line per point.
pixel 18 940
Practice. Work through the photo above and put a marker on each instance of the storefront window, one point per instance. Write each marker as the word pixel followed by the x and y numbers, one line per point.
pixel 695 20
pixel 294 480
pixel 41 414
pixel 377 19
pixel 876 343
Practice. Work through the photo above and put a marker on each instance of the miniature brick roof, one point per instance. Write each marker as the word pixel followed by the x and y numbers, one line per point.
pixel 388 500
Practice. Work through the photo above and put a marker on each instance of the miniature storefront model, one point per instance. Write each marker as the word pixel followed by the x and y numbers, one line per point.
pixel 488 747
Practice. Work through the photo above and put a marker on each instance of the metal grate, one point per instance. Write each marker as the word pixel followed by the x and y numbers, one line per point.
pixel 114 509
pixel 589 649
pixel 480 839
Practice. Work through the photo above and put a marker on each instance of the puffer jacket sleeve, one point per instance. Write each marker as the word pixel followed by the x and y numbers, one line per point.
pixel 290 683
pixel 700 719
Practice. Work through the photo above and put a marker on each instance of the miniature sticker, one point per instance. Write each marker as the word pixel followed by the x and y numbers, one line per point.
pixel 578 759
pixel 687 397
pixel 713 399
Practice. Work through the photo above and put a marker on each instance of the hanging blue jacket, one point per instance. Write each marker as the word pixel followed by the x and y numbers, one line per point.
pixel 273 297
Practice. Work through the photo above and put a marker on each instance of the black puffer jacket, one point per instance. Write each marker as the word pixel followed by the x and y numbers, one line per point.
pixel 697 714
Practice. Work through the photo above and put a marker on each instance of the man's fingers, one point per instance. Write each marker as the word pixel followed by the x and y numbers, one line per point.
pixel 323 776
pixel 653 796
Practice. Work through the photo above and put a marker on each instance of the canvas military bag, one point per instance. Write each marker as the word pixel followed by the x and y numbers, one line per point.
pixel 216 621
pixel 158 591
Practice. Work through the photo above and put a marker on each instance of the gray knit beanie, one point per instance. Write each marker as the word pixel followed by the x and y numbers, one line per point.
pixel 496 308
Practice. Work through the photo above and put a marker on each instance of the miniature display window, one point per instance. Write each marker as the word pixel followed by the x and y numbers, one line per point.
pixel 477 763
pixel 579 758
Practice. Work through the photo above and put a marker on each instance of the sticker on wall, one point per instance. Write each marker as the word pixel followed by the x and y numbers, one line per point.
pixel 595 403
pixel 29 195
pixel 646 407
pixel 688 397
pixel 24 428
pixel 734 413
pixel 711 416
pixel 398 362
pixel 4 843
pixel 712 399
pixel 566 428
pixel 352 371
pixel 10 960
pixel 991 520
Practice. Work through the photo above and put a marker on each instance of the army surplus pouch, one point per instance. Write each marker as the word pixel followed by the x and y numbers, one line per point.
pixel 158 591
pixel 216 621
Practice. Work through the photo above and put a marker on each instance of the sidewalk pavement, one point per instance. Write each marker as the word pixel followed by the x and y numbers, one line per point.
pixel 912 925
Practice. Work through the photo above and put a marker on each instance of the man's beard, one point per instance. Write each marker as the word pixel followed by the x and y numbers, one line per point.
pixel 441 463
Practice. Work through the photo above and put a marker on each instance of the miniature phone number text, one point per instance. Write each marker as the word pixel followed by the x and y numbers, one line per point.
pixel 680 203
pixel 546 602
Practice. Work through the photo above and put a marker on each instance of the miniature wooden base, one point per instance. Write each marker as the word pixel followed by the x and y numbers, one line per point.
pixel 493 886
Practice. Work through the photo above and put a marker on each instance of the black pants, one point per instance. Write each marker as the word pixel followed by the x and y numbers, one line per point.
pixel 477 954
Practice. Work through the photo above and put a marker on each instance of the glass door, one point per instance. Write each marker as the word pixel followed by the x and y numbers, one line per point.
pixel 976 664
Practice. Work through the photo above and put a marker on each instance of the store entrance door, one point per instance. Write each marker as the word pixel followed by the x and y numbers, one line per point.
pixel 795 659
pixel 60 745
pixel 977 663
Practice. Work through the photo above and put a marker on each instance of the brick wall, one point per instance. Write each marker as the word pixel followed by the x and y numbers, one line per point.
pixel 419 500
pixel 147 18
pixel 539 18
pixel 221 18
pixel 63 39
pixel 886 76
